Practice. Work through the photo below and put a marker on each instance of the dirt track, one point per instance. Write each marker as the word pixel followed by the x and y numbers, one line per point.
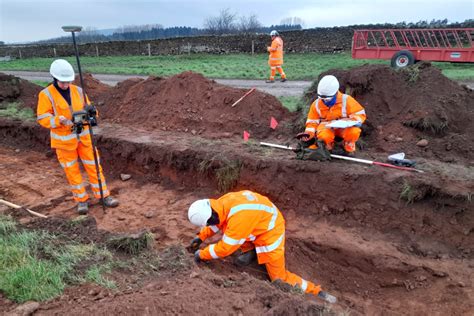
pixel 383 241
pixel 289 88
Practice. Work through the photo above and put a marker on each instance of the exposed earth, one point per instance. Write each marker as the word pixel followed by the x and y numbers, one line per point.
pixel 383 241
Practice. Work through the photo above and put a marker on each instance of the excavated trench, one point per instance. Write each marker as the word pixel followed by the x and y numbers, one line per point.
pixel 349 226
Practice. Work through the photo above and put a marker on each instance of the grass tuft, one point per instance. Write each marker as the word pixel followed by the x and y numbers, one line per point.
pixel 133 243
pixel 14 110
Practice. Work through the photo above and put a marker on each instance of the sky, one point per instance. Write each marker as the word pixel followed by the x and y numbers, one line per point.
pixel 28 20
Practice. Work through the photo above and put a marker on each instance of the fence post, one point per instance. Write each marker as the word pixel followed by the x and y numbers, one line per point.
pixel 189 48
pixel 97 50
pixel 149 50
pixel 19 51
pixel 54 52
pixel 253 46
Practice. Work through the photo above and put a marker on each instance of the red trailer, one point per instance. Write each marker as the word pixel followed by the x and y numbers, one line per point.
pixel 404 47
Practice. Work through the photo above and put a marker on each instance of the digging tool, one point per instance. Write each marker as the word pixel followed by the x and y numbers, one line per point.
pixel 87 117
pixel 246 94
pixel 23 208
pixel 369 162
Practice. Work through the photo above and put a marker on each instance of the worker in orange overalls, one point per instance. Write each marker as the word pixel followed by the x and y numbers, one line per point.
pixel 55 106
pixel 333 105
pixel 275 59
pixel 249 221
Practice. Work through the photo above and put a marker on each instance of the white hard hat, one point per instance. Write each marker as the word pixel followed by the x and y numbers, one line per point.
pixel 199 212
pixel 273 33
pixel 328 86
pixel 62 70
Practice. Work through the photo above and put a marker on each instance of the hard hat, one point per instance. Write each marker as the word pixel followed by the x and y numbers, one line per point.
pixel 328 86
pixel 273 33
pixel 199 212
pixel 62 70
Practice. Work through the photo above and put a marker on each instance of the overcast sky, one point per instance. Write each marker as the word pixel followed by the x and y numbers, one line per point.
pixel 22 20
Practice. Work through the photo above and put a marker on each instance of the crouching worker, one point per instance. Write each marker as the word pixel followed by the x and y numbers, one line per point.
pixel 251 222
pixel 330 106
pixel 56 103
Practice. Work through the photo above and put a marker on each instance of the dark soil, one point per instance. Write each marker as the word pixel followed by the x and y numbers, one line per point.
pixel 16 89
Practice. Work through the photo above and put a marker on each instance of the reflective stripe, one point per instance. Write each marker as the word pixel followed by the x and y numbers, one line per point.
pixel 276 58
pixel 313 121
pixel 77 187
pixel 358 113
pixel 271 225
pixel 273 68
pixel 96 186
pixel 344 105
pixel 212 252
pixel 68 164
pixel 69 136
pixel 79 195
pixel 214 228
pixel 272 246
pixel 79 89
pixel 304 284
pixel 51 121
pixel 89 162
pixel 97 193
pixel 256 207
pixel 231 241
pixel 310 129
pixel 317 106
pixel 251 237
pixel 42 116
pixel 50 97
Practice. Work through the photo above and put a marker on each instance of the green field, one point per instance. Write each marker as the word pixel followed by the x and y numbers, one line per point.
pixel 236 66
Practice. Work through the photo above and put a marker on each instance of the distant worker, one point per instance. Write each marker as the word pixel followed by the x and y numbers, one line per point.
pixel 251 222
pixel 275 59
pixel 332 105
pixel 55 106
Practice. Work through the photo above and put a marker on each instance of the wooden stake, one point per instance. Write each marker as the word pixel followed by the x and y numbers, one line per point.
pixel 21 207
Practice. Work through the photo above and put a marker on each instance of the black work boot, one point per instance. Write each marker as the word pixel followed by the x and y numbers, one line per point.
pixel 270 81
pixel 82 208
pixel 283 79
pixel 111 202
pixel 246 258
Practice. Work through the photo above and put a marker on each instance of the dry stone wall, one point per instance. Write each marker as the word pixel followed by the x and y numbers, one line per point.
pixel 326 40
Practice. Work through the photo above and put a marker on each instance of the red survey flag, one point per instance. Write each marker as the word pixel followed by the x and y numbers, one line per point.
pixel 273 123
pixel 246 136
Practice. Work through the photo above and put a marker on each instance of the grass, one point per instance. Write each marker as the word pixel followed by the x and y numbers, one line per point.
pixel 14 110
pixel 292 103
pixel 225 171
pixel 41 82
pixel 241 66
pixel 36 265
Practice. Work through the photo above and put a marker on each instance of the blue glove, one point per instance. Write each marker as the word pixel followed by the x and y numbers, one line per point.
pixel 197 257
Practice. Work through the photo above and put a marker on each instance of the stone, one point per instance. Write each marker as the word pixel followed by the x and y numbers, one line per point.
pixel 422 143
pixel 149 214
pixel 125 176
pixel 26 309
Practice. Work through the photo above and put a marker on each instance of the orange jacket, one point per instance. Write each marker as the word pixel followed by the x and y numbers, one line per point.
pixel 345 107
pixel 246 216
pixel 51 105
pixel 276 52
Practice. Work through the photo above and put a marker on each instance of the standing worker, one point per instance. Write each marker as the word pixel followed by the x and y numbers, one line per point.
pixel 251 222
pixel 332 105
pixel 56 103
pixel 275 59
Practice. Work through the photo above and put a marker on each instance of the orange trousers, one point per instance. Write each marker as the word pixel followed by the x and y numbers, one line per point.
pixel 350 136
pixel 69 161
pixel 277 271
pixel 273 70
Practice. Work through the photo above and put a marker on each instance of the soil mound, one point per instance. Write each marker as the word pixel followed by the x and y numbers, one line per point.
pixel 94 88
pixel 188 102
pixel 411 104
pixel 14 89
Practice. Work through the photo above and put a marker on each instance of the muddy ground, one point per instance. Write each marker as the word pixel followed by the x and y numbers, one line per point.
pixel 383 241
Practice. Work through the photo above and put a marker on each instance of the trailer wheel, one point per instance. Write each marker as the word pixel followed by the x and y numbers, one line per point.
pixel 402 59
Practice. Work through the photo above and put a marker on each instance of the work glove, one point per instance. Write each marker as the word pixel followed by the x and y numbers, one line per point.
pixel 197 257
pixel 63 120
pixel 305 136
pixel 195 243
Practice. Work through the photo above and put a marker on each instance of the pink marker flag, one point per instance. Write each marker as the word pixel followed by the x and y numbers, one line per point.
pixel 273 123
pixel 246 136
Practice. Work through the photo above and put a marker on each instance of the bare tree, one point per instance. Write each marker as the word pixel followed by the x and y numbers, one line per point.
pixel 224 23
pixel 293 21
pixel 249 24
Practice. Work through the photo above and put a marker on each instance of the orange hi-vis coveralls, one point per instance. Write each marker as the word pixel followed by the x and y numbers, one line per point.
pixel 70 146
pixel 346 107
pixel 275 59
pixel 249 220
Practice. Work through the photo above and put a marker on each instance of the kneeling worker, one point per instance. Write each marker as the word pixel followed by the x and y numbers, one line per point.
pixel 332 105
pixel 251 222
